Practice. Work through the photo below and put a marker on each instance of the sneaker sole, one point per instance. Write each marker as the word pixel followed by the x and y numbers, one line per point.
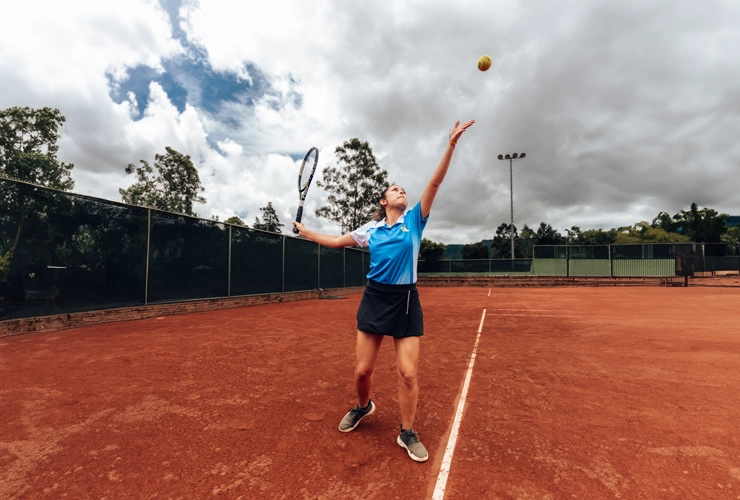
pixel 372 410
pixel 413 457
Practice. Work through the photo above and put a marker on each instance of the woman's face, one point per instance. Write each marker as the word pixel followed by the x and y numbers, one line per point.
pixel 395 197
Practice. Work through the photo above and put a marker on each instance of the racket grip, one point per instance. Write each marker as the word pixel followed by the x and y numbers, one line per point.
pixel 298 217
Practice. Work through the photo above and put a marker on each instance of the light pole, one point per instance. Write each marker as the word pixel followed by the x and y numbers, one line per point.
pixel 511 158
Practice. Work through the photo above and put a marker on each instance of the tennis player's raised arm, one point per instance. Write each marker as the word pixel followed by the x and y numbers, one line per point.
pixel 327 240
pixel 430 192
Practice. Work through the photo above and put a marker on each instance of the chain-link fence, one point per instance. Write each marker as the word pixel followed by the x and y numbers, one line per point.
pixel 464 266
pixel 649 259
pixel 642 259
pixel 62 252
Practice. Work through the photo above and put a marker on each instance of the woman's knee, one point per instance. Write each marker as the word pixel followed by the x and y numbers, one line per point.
pixel 407 376
pixel 364 371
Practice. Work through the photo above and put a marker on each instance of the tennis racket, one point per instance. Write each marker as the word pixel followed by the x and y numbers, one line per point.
pixel 311 159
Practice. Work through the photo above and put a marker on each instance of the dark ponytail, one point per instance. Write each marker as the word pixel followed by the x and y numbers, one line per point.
pixel 379 214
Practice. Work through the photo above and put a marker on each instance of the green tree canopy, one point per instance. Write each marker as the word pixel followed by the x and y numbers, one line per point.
pixel 354 186
pixel 176 187
pixel 705 225
pixel 431 251
pixel 573 235
pixel 598 237
pixel 501 245
pixel 732 237
pixel 235 220
pixel 28 147
pixel 546 235
pixel 642 232
pixel 665 222
pixel 28 152
pixel 475 251
pixel 524 243
pixel 270 220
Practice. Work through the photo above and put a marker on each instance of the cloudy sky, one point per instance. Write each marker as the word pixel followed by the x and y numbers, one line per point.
pixel 624 109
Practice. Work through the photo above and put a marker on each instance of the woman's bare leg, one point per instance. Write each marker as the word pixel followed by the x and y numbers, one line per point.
pixel 368 346
pixel 407 361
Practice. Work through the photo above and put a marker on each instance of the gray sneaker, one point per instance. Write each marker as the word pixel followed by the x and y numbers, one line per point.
pixel 409 439
pixel 352 419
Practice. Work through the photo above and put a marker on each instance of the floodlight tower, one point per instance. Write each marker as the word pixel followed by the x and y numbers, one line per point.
pixel 511 159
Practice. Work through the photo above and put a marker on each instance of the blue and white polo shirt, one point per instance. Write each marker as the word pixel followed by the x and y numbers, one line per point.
pixel 394 250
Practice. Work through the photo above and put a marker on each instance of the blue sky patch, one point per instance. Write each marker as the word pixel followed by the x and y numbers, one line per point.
pixel 190 79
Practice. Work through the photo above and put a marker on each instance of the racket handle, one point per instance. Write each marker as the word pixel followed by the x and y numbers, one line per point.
pixel 298 217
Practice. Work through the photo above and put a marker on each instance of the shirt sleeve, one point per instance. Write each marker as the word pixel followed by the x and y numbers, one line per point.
pixel 360 235
pixel 414 215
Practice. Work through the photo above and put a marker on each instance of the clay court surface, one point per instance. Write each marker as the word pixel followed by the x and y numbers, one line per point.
pixel 613 392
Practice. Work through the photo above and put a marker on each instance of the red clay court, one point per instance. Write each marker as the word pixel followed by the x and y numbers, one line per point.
pixel 620 392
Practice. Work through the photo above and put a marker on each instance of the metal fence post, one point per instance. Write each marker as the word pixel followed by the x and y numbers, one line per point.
pixel 611 263
pixel 318 257
pixel 344 267
pixel 228 285
pixel 282 286
pixel 148 240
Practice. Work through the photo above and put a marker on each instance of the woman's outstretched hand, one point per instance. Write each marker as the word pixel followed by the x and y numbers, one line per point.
pixel 458 130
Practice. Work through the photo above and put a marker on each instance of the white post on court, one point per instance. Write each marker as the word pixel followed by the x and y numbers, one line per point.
pixel 444 472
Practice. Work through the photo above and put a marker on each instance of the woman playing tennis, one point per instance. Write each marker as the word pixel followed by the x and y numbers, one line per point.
pixel 390 304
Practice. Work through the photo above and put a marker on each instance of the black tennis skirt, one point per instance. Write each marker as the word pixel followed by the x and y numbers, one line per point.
pixel 392 310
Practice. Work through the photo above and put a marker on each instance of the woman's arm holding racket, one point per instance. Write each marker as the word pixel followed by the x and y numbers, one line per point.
pixel 326 240
pixel 430 192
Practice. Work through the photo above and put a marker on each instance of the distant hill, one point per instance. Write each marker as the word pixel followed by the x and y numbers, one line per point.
pixel 454 251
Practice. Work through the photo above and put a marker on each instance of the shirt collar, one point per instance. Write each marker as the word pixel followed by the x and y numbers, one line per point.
pixel 383 222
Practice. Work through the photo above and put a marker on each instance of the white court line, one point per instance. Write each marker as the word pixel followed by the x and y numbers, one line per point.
pixel 541 315
pixel 514 309
pixel 489 292
pixel 444 472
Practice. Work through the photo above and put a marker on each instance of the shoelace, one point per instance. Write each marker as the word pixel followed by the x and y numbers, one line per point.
pixel 411 436
pixel 357 411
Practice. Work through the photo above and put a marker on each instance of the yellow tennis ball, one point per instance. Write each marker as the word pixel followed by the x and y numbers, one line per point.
pixel 484 63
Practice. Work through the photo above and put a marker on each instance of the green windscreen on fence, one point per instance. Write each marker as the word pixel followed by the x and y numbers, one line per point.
pixel 639 251
pixel 500 266
pixel 188 258
pixel 511 265
pixel 550 252
pixel 301 265
pixel 331 264
pixel 256 262
pixel 354 274
pixel 437 266
pixel 365 267
pixel 590 252
pixel 469 266
pixel 63 253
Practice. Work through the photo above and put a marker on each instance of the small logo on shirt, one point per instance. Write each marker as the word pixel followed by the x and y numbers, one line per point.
pixel 403 228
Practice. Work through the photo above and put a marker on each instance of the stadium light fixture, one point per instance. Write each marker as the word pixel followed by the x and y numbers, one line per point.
pixel 511 158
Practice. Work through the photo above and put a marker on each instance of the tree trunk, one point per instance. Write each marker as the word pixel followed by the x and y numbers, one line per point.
pixel 17 237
